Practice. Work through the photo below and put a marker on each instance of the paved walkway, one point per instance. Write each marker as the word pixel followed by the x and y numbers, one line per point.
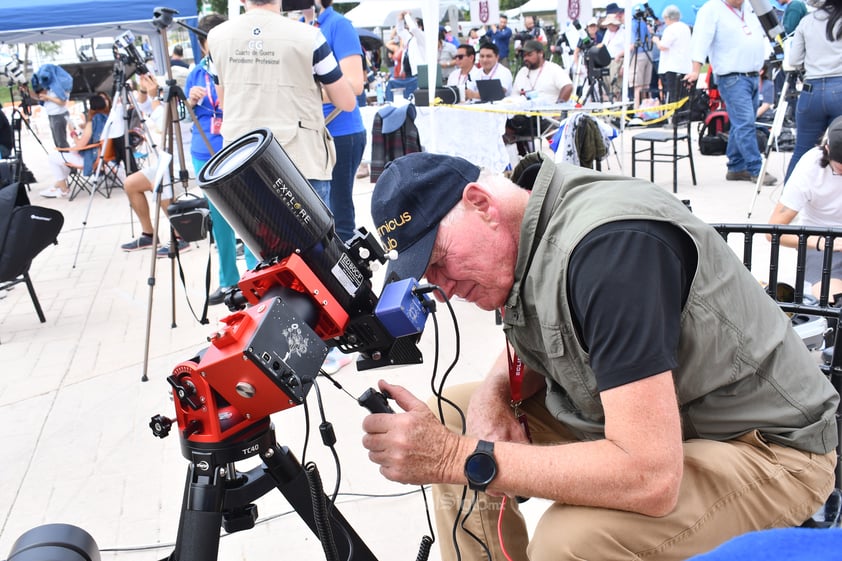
pixel 74 413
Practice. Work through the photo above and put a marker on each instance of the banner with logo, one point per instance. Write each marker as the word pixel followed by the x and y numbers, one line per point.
pixel 485 12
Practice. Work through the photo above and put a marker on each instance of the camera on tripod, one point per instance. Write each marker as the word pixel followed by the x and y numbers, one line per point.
pixel 521 37
pixel 645 13
pixel 126 43
pixel 13 69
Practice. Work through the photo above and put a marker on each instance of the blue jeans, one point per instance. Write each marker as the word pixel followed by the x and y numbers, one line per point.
pixel 814 112
pixel 349 154
pixel 742 97
pixel 226 243
pixel 322 188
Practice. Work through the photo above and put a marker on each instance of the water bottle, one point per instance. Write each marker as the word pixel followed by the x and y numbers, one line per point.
pixel 381 94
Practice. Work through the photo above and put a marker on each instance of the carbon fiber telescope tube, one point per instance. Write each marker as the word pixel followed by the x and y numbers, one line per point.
pixel 274 209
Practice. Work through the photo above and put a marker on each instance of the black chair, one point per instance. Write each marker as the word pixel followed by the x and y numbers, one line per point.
pixel 793 300
pixel 25 230
pixel 676 133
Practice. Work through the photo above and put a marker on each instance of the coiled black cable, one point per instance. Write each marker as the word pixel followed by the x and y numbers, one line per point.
pixel 320 512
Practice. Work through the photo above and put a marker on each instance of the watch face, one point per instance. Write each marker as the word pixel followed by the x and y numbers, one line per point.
pixel 480 469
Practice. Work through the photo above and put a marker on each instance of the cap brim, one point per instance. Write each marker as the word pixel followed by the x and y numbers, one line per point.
pixel 413 261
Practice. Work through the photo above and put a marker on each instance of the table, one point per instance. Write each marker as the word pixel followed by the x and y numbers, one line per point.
pixel 473 135
pixel 473 131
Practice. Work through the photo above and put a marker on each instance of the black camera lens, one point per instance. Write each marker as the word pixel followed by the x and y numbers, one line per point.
pixel 55 542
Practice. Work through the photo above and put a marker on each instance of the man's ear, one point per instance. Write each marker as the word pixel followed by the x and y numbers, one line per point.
pixel 478 198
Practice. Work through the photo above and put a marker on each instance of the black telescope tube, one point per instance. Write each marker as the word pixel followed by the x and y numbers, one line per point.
pixel 264 197
pixel 274 209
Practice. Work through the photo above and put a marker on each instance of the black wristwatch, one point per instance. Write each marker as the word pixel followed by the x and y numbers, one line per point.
pixel 481 467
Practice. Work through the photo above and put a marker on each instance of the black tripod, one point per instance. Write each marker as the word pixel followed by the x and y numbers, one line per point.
pixel 216 495
pixel 595 89
pixel 20 117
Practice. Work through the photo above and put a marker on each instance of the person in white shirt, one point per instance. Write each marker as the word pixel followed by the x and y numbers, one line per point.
pixel 491 68
pixel 730 35
pixel 813 195
pixel 467 75
pixel 541 78
pixel 615 41
pixel 411 32
pixel 674 44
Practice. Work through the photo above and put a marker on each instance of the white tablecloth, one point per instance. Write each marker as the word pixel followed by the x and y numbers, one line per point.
pixel 473 135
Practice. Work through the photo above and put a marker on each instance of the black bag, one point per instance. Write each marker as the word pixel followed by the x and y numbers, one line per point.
pixel 713 134
pixel 190 216
pixel 448 95
pixel 699 105
pixel 24 232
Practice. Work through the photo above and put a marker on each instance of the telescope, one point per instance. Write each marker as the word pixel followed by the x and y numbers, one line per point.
pixel 769 21
pixel 310 292
pixel 125 41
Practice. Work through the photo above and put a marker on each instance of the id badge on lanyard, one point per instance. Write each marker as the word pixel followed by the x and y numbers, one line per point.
pixel 216 121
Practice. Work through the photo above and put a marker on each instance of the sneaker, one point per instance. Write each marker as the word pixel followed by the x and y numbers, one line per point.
pixel 768 179
pixel 739 176
pixel 218 296
pixel 241 250
pixel 164 250
pixel 142 242
pixel 54 193
pixel 336 360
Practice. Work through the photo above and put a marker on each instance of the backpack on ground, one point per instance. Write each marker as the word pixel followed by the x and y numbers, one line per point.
pixel 713 134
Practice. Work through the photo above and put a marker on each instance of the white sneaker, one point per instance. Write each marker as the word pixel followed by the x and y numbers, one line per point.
pixel 54 193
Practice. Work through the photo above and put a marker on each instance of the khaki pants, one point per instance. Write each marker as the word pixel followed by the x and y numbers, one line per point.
pixel 728 489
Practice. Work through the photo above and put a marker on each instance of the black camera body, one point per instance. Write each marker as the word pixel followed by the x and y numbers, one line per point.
pixel 645 13
pixel 523 37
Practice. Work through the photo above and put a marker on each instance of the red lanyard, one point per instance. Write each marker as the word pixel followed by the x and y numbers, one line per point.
pixel 516 371
pixel 493 72
pixel 741 14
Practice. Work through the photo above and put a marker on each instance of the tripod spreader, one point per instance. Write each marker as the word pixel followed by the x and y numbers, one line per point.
pixel 217 496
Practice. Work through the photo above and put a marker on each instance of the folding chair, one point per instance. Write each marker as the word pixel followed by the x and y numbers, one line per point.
pixel 77 181
pixel 110 167
pixel 677 132
pixel 794 302
pixel 25 230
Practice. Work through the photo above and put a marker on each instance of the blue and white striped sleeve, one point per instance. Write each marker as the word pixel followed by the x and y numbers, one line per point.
pixel 325 67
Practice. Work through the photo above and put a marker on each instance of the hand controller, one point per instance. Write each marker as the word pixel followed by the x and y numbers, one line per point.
pixel 375 401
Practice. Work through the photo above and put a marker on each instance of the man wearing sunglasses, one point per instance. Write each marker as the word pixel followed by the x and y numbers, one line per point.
pixel 467 75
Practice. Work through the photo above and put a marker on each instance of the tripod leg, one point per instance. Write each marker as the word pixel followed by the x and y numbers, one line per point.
pixel 291 481
pixel 780 114
pixel 201 516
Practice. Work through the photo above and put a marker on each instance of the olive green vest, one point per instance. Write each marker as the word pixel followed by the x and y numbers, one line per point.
pixel 741 365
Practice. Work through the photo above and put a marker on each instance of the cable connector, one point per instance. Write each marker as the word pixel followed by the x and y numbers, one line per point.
pixel 328 435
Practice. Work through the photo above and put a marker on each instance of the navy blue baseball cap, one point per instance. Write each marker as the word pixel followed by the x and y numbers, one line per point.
pixel 834 140
pixel 410 198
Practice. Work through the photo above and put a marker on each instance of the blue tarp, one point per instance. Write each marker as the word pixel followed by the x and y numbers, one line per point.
pixel 34 21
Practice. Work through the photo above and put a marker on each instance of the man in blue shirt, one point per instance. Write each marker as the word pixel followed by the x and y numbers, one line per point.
pixel 501 36
pixel 346 127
